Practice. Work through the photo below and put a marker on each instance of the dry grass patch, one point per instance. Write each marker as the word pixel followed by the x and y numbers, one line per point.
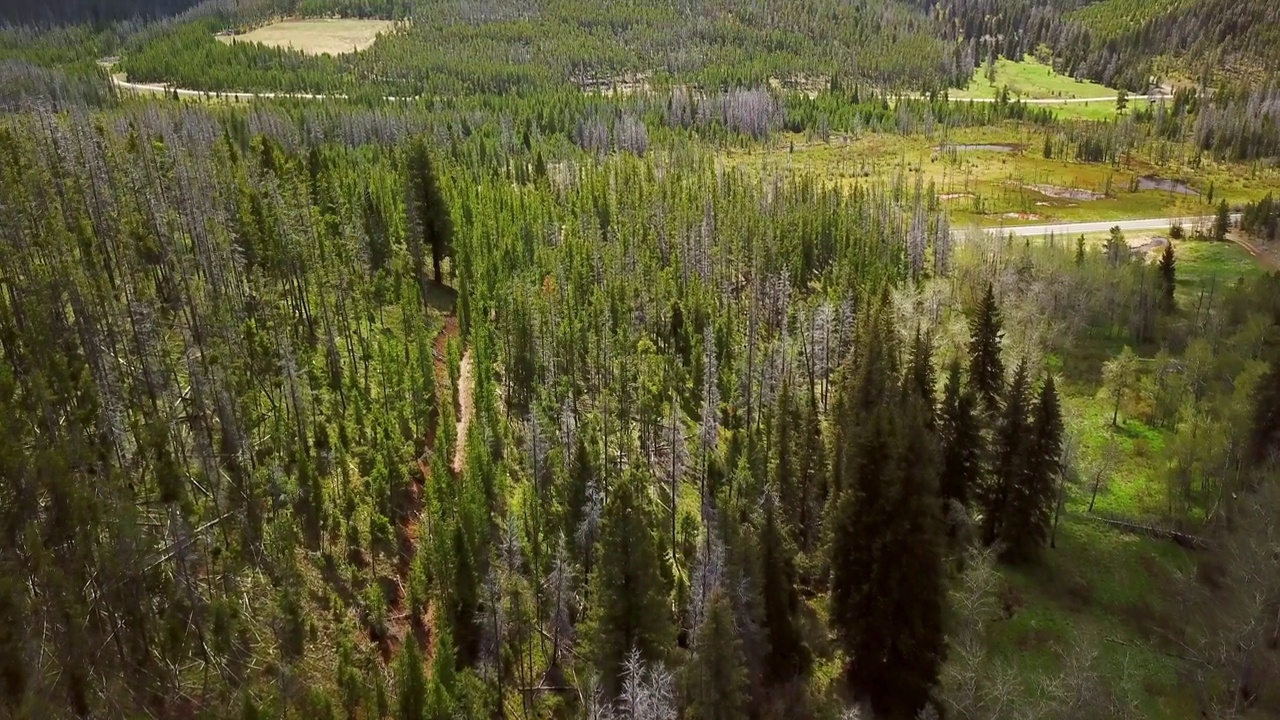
pixel 317 36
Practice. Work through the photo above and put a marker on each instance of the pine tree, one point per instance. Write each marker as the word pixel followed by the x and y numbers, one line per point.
pixel 886 545
pixel 961 437
pixel 786 419
pixel 1030 506
pixel 924 380
pixel 440 688
pixel 717 677
pixel 1168 276
pixel 13 662
pixel 1117 250
pixel 1009 462
pixel 411 688
pixel 464 598
pixel 811 469
pixel 1222 221
pixel 1264 435
pixel 377 232
pixel 432 224
pixel 629 609
pixel 787 655
pixel 986 370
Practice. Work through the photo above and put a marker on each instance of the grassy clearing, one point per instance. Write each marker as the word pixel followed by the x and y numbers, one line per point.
pixel 1095 110
pixel 1117 591
pixel 1103 589
pixel 317 36
pixel 990 188
pixel 1202 264
pixel 1030 79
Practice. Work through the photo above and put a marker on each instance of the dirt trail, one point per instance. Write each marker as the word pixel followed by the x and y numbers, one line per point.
pixel 401 625
pixel 1265 257
pixel 466 384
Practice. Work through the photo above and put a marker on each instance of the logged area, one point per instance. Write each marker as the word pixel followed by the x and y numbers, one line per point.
pixel 646 360
pixel 330 36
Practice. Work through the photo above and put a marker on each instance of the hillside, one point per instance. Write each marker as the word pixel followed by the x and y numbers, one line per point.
pixel 1122 42
pixel 93 12
pixel 1200 36
pixel 462 48
pixel 593 360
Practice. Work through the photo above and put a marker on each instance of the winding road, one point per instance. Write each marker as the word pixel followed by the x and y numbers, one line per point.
pixel 157 88
pixel 122 83
pixel 1264 257
pixel 1081 228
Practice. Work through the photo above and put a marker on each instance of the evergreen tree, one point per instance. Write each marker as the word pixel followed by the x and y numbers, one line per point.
pixel 1264 435
pixel 429 216
pixel 886 547
pixel 464 598
pixel 13 663
pixel 1222 221
pixel 377 232
pixel 629 609
pixel 961 437
pixel 411 688
pixel 1168 276
pixel 923 378
pixel 440 689
pixel 787 655
pixel 1010 458
pixel 811 469
pixel 717 677
pixel 1030 505
pixel 986 369
pixel 1116 249
pixel 786 419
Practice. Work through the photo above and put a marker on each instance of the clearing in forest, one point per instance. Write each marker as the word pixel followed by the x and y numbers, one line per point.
pixel 317 36
pixel 1030 79
pixel 999 176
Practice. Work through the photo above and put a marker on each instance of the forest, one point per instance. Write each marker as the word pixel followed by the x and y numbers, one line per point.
pixel 635 361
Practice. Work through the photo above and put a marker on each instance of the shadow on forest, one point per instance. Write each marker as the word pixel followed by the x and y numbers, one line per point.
pixel 441 297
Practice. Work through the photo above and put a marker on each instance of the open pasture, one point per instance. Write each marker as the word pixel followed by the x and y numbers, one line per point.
pixel 316 36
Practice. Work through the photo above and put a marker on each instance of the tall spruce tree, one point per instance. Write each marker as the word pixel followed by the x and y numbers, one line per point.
pixel 986 369
pixel 464 598
pixel 1029 514
pixel 717 677
pixel 430 221
pixel 628 607
pixel 411 687
pixel 787 655
pixel 811 470
pixel 1009 460
pixel 1222 221
pixel 786 419
pixel 1168 276
pixel 886 543
pixel 961 437
pixel 1264 435
pixel 924 379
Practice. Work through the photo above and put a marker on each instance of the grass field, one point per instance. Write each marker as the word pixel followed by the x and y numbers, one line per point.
pixel 1034 80
pixel 1030 79
pixel 317 36
pixel 1020 186
pixel 1118 591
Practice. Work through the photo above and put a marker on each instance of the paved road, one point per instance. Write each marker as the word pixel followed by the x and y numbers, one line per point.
pixel 1081 228
pixel 155 88
pixel 1048 101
